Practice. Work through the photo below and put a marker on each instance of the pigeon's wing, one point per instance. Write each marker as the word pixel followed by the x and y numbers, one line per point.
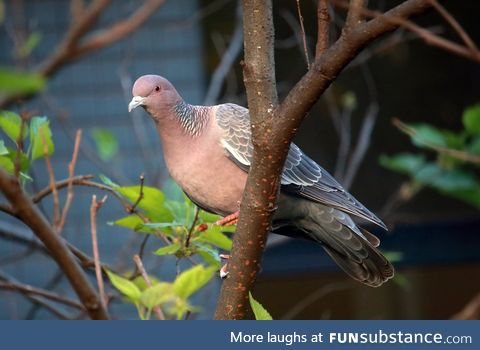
pixel 301 175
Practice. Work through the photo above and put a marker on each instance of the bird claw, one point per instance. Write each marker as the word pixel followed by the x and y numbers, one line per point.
pixel 223 270
pixel 228 220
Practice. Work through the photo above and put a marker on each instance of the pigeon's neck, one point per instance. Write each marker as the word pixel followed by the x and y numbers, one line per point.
pixel 192 119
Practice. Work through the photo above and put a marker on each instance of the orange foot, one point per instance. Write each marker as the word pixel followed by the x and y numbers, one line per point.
pixel 228 220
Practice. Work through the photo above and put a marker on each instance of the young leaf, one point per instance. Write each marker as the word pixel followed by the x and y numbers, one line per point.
pixel 10 123
pixel 133 222
pixel 259 311
pixel 40 134
pixel 126 287
pixel 7 164
pixel 215 237
pixel 106 143
pixel 3 149
pixel 107 181
pixel 151 203
pixel 168 249
pixel 471 119
pixel 208 254
pixel 208 217
pixel 191 280
pixel 474 146
pixel 157 294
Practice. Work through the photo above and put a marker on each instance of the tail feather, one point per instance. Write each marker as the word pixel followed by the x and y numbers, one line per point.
pixel 355 253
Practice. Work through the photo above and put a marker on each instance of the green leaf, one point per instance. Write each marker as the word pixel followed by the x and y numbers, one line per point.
pixel 191 280
pixel 207 253
pixel 3 149
pixel 172 191
pixel 152 202
pixel 471 119
pixel 7 164
pixel 470 196
pixel 428 174
pixel 132 222
pixel 39 135
pixel 474 146
pixel 425 135
pixel 213 235
pixel 258 310
pixel 168 249
pixel 156 295
pixel 455 180
pixel 208 217
pixel 10 123
pixel 14 82
pixel 30 44
pixel 393 256
pixel 126 287
pixel 106 143
pixel 406 163
pixel 107 181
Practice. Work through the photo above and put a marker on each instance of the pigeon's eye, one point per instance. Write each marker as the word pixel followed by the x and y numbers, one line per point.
pixel 157 88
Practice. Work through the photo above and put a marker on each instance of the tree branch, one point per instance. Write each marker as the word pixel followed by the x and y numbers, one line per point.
pixel 323 19
pixel 31 216
pixel 273 128
pixel 257 207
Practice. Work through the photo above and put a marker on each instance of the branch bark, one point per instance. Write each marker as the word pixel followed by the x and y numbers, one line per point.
pixel 26 211
pixel 273 127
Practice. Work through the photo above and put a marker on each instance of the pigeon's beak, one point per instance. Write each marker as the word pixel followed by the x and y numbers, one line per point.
pixel 135 102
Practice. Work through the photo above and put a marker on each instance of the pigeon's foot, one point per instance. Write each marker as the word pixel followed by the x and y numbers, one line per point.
pixel 224 269
pixel 228 220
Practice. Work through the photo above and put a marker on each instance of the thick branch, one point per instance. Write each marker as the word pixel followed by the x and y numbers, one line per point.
pixel 273 129
pixel 31 216
pixel 257 206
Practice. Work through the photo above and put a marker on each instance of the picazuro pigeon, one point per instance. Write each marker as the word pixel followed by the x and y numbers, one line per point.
pixel 208 150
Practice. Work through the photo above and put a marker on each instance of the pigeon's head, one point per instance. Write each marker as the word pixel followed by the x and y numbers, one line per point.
pixel 154 93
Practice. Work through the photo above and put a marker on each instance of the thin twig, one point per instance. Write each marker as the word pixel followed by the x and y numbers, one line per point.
pixel 51 176
pixel 133 208
pixel 427 36
pixel 192 227
pixel 96 205
pixel 71 171
pixel 29 214
pixel 156 309
pixel 30 290
pixel 323 20
pixel 455 25
pixel 304 38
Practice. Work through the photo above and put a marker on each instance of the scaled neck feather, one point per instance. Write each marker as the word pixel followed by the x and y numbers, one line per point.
pixel 193 119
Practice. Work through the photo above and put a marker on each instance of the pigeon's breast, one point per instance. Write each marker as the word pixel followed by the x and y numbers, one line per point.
pixel 206 174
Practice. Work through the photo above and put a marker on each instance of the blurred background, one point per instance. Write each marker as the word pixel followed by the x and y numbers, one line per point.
pixel 397 91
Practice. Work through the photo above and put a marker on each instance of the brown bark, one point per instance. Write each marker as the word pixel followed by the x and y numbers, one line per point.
pixel 25 210
pixel 273 127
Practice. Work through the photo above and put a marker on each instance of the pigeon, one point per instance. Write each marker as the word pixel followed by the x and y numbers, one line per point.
pixel 208 150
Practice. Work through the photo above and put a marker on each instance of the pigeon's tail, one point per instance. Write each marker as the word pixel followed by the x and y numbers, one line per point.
pixel 353 250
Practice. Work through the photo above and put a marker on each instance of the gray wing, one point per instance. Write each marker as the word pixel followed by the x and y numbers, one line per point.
pixel 301 175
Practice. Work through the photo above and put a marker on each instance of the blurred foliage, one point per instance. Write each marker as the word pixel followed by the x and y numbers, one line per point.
pixel 13 82
pixel 189 234
pixel 453 171
pixel 18 157
pixel 28 46
pixel 106 143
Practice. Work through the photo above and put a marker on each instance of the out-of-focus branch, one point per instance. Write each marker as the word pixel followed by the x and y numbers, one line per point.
pixel 72 47
pixel 304 37
pixel 26 211
pixel 94 208
pixel 138 262
pixel 355 13
pixel 226 63
pixel 471 311
pixel 426 35
pixel 323 20
pixel 71 171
